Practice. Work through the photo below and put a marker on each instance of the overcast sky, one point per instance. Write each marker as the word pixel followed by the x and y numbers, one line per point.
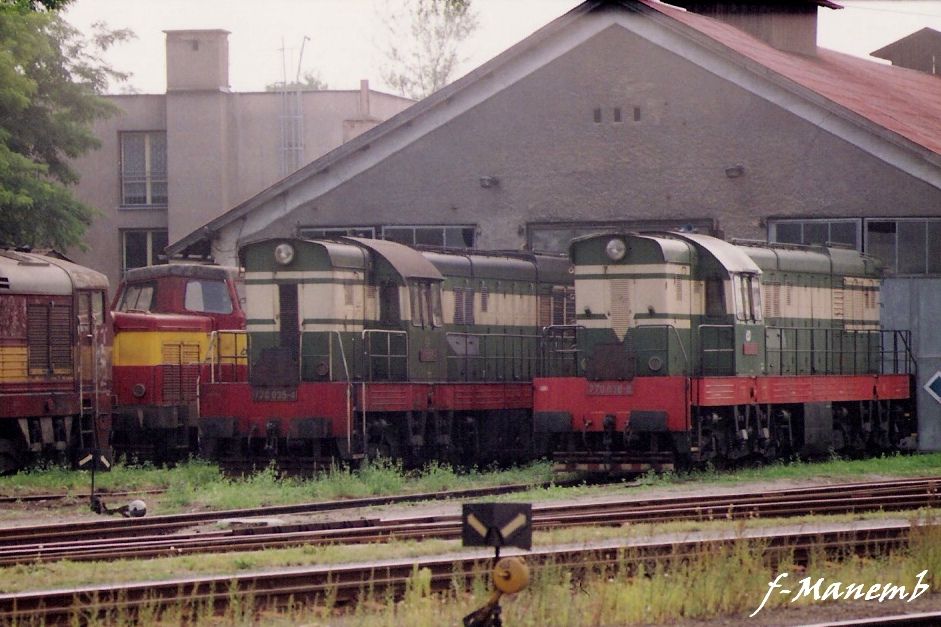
pixel 346 35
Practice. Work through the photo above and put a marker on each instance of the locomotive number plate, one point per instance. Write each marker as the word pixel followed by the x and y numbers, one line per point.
pixel 263 395
pixel 610 388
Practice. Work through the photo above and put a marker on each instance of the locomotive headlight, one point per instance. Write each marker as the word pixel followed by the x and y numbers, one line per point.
pixel 616 249
pixel 284 254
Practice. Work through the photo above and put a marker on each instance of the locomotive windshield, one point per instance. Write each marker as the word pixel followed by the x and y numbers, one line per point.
pixel 208 297
pixel 137 297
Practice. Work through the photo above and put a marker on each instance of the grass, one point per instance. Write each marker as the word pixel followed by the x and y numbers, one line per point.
pixel 200 485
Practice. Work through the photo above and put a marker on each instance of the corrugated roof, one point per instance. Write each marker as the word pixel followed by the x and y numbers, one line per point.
pixel 903 101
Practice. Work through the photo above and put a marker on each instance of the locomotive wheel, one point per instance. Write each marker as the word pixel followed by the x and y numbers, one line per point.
pixel 9 460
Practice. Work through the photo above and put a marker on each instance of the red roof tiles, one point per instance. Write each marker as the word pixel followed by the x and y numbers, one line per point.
pixel 903 101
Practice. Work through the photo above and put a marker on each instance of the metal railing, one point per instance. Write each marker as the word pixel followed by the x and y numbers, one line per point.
pixel 560 352
pixel 334 350
pixel 802 350
pixel 664 349
pixel 494 356
pixel 220 361
pixel 384 360
pixel 716 349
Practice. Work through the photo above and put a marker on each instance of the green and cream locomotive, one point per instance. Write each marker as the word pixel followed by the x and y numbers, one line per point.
pixel 367 347
pixel 696 349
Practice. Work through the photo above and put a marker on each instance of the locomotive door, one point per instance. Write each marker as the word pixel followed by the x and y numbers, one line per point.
pixel 92 364
pixel 427 344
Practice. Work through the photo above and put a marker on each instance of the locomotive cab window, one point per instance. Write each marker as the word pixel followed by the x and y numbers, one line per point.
pixel 208 297
pixel 137 297
pixel 747 291
pixel 715 297
pixel 389 310
pixel 425 299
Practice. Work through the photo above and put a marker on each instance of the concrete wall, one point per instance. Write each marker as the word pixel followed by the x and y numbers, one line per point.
pixel 222 147
pixel 916 304
pixel 539 138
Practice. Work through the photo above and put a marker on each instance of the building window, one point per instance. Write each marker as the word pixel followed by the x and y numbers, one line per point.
pixel 143 248
pixel 554 237
pixel 445 235
pixel 335 231
pixel 907 246
pixel 144 169
pixel 839 231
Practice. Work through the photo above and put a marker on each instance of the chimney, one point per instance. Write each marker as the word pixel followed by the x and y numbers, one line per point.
pixel 788 25
pixel 364 99
pixel 197 60
pixel 919 51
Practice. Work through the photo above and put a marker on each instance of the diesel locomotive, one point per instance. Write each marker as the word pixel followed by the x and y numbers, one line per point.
pixel 693 349
pixel 362 347
pixel 167 319
pixel 55 360
pixel 639 351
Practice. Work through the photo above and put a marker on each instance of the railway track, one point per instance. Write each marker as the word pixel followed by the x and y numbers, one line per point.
pixel 113 528
pixel 345 584
pixel 77 495
pixel 151 539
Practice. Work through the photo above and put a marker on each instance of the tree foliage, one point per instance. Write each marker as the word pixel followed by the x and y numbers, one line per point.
pixel 310 81
pixel 35 5
pixel 424 38
pixel 50 78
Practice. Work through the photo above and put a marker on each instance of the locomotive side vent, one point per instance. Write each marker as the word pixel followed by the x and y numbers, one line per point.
pixel 621 314
pixel 4 283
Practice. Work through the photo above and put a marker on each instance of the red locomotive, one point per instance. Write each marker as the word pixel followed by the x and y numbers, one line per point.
pixel 55 360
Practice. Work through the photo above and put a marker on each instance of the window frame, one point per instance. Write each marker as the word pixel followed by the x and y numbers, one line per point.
pixel 892 266
pixel 151 254
pixel 149 177
pixel 774 223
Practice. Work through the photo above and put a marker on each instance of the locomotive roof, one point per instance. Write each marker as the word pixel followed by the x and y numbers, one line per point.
pixel 732 257
pixel 31 273
pixel 195 270
pixel 495 265
pixel 811 259
pixel 408 262
pixel 671 250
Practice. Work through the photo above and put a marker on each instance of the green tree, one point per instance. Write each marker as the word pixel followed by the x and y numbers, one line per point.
pixel 310 81
pixel 50 78
pixel 423 40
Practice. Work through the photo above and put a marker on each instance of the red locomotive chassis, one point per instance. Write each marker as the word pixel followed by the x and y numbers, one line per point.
pixel 588 402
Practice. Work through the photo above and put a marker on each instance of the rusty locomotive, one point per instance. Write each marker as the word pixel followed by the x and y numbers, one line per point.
pixel 55 360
